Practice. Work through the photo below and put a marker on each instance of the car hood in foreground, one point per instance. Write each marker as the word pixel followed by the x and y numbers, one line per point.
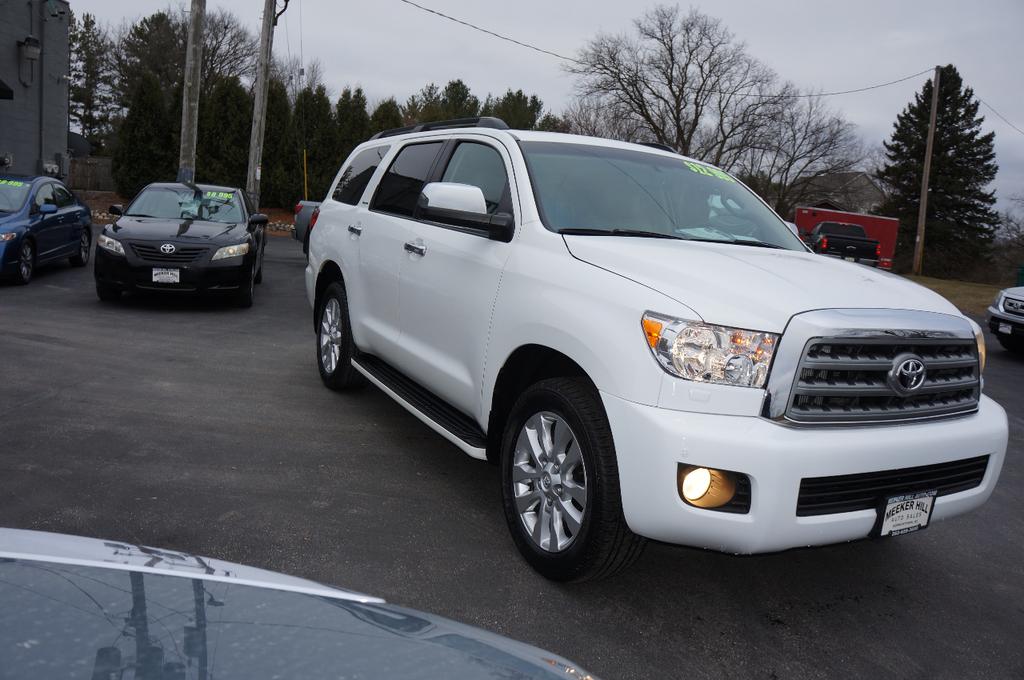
pixel 154 229
pixel 748 287
pixel 75 606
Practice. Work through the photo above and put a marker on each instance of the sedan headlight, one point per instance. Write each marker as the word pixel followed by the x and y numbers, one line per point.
pixel 110 244
pixel 231 251
pixel 8 236
pixel 706 353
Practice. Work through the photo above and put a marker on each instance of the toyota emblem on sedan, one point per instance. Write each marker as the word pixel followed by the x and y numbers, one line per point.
pixel 907 373
pixel 167 248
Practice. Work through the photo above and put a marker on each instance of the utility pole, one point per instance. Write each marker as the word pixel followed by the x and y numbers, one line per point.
pixel 190 96
pixel 922 210
pixel 259 107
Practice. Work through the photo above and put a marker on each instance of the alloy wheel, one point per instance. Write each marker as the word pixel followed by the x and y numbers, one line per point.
pixel 25 261
pixel 330 335
pixel 549 481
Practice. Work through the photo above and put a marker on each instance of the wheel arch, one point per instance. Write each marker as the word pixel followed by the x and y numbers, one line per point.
pixel 329 273
pixel 524 366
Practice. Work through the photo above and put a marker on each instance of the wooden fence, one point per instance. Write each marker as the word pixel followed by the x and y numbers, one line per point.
pixel 91 174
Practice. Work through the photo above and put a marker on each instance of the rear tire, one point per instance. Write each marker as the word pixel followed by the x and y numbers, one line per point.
pixel 81 258
pixel 107 293
pixel 558 465
pixel 334 345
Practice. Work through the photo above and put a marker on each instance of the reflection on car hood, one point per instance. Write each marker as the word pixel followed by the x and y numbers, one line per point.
pixel 74 606
pixel 154 229
pixel 749 287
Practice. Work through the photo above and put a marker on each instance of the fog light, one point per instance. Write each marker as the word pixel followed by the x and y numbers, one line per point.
pixel 706 487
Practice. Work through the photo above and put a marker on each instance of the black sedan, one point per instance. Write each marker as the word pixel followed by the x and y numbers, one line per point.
pixel 183 237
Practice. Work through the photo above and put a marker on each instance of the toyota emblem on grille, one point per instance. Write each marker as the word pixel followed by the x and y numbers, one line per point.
pixel 907 373
pixel 167 248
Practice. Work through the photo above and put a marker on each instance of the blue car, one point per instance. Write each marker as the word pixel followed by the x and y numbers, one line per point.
pixel 40 221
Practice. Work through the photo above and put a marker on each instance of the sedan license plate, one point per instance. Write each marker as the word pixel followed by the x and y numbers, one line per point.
pixel 1006 329
pixel 906 513
pixel 850 259
pixel 166 275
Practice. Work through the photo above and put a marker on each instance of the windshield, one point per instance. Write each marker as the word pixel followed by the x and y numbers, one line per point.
pixel 596 188
pixel 12 194
pixel 182 203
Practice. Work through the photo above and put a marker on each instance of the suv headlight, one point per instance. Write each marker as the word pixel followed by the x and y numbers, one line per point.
pixel 110 244
pixel 231 251
pixel 706 353
pixel 979 339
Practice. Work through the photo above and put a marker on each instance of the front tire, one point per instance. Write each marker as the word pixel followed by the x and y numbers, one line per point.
pixel 26 264
pixel 560 484
pixel 334 345
pixel 1015 345
pixel 81 258
pixel 245 294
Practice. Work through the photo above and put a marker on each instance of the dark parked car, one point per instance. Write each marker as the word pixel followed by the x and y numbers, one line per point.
pixel 178 237
pixel 40 221
pixel 80 607
pixel 848 241
pixel 304 221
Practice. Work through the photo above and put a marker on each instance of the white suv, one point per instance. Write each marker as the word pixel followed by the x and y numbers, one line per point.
pixel 644 347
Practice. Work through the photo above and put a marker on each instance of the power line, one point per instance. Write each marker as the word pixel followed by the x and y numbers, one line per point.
pixel 577 61
pixel 1001 116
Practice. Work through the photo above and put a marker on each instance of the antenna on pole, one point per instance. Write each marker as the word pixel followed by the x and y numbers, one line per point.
pixel 259 107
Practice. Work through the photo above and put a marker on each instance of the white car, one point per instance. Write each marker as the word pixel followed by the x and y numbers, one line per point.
pixel 644 347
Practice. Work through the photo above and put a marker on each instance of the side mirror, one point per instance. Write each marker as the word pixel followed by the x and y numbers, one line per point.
pixel 116 209
pixel 257 220
pixel 47 209
pixel 463 205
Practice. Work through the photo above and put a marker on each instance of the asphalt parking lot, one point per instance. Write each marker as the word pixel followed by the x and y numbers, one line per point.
pixel 192 425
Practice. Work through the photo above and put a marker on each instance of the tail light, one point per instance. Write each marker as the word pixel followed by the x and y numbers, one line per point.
pixel 824 242
pixel 313 218
pixel 298 208
pixel 878 251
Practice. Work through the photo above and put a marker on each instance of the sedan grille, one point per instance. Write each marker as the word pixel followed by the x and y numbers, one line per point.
pixel 847 493
pixel 843 380
pixel 181 254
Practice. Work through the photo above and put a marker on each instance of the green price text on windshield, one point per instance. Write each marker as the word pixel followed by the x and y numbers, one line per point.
pixel 11 183
pixel 710 172
pixel 221 195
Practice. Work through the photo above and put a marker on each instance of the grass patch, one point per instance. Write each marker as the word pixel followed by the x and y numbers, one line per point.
pixel 970 298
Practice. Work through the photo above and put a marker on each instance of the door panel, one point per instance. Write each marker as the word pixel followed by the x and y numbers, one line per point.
pixel 69 221
pixel 448 291
pixel 46 229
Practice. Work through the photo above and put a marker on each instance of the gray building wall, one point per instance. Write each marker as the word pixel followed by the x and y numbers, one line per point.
pixel 34 121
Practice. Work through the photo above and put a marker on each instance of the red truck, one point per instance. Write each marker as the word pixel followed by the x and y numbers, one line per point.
pixel 882 229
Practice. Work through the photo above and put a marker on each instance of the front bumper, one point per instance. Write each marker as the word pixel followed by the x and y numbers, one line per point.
pixel 131 273
pixel 651 442
pixel 997 319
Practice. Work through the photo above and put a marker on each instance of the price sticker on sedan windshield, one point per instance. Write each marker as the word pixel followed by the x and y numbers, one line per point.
pixel 906 513
pixel 13 183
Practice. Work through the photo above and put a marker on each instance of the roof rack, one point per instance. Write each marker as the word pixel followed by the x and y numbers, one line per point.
pixel 656 145
pixel 479 121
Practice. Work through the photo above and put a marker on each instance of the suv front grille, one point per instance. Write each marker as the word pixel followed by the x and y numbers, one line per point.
pixel 1013 306
pixel 181 254
pixel 846 380
pixel 847 493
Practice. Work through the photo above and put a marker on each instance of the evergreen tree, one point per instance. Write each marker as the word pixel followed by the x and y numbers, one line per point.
pixel 515 108
pixel 458 102
pixel 279 185
pixel 424 106
pixel 353 121
pixel 144 150
pixel 387 115
pixel 155 44
pixel 222 144
pixel 960 221
pixel 316 131
pixel 90 90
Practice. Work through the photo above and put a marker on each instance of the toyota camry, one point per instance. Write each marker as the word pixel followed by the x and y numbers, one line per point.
pixel 183 237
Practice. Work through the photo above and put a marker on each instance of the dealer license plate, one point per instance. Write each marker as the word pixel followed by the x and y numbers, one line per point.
pixel 166 275
pixel 1006 329
pixel 850 259
pixel 907 512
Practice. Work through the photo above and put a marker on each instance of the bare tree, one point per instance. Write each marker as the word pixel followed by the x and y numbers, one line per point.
pixel 802 141
pixel 228 49
pixel 683 80
pixel 295 76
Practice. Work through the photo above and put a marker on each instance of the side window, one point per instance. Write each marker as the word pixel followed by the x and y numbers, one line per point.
pixel 357 175
pixel 45 195
pixel 401 185
pixel 481 166
pixel 62 196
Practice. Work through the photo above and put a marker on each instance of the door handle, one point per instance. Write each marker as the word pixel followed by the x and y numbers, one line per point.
pixel 356 230
pixel 415 248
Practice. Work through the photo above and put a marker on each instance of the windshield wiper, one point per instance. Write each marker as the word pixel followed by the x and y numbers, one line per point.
pixel 740 242
pixel 618 232
pixel 138 215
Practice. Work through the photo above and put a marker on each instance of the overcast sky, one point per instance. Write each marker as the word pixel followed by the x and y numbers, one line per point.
pixel 390 48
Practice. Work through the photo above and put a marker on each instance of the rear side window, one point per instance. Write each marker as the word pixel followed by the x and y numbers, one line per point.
pixel 481 166
pixel 401 185
pixel 357 175
pixel 62 195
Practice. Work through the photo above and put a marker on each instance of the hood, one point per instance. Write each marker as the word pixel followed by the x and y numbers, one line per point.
pixel 106 606
pixel 8 219
pixel 155 229
pixel 754 288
